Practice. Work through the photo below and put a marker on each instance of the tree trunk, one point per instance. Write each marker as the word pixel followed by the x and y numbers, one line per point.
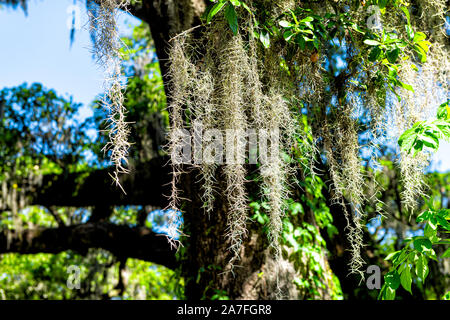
pixel 206 268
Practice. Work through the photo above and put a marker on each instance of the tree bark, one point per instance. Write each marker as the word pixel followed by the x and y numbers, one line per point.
pixel 146 184
pixel 206 267
pixel 122 241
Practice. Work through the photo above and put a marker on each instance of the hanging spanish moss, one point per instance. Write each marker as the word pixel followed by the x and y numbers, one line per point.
pixel 429 81
pixel 180 72
pixel 229 96
pixel 107 48
pixel 228 81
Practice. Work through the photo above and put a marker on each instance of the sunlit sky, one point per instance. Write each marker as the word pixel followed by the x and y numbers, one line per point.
pixel 36 48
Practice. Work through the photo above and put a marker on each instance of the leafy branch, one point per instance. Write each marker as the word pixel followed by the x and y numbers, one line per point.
pixel 412 260
pixel 427 133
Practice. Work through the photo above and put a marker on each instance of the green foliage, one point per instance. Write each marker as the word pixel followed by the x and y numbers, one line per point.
pixel 153 282
pixel 443 112
pixel 44 276
pixel 427 133
pixel 40 133
pixel 220 295
pixel 229 12
pixel 310 31
pixel 40 276
pixel 411 262
pixel 36 122
pixel 305 29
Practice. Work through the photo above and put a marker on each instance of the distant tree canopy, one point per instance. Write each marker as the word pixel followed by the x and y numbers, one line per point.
pixel 342 82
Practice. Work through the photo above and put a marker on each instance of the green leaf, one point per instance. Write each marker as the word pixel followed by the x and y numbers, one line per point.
pixel 423 216
pixel 408 139
pixel 389 293
pixel 392 279
pixel 374 54
pixel 393 70
pixel 287 35
pixel 442 127
pixel 421 53
pixel 405 86
pixel 410 32
pixel 214 10
pixel 422 267
pixel 307 19
pixel 429 231
pixel 408 18
pixel 246 7
pixel 444 111
pixel 400 269
pixel 424 45
pixel 433 221
pixel 260 219
pixel 371 42
pixel 405 278
pixel 391 255
pixel 307 31
pixel 300 40
pixel 230 15
pixel 316 43
pixel 285 24
pixel 444 223
pixel 446 253
pixel 264 37
pixel 430 140
pixel 419 36
pixel 422 245
pixel 398 260
pixel 296 208
pixel 392 55
pixel 444 213
pixel 432 254
pixel 382 3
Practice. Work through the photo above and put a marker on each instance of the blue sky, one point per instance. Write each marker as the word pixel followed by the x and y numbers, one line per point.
pixel 36 48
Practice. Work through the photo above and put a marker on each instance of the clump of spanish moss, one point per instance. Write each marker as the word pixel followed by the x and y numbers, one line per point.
pixel 234 122
pixel 205 114
pixel 430 89
pixel 231 96
pixel 342 152
pixel 107 48
pixel 180 73
pixel 430 85
pixel 231 82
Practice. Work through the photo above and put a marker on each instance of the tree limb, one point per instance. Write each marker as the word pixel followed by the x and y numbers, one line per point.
pixel 121 240
pixel 55 216
pixel 145 185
